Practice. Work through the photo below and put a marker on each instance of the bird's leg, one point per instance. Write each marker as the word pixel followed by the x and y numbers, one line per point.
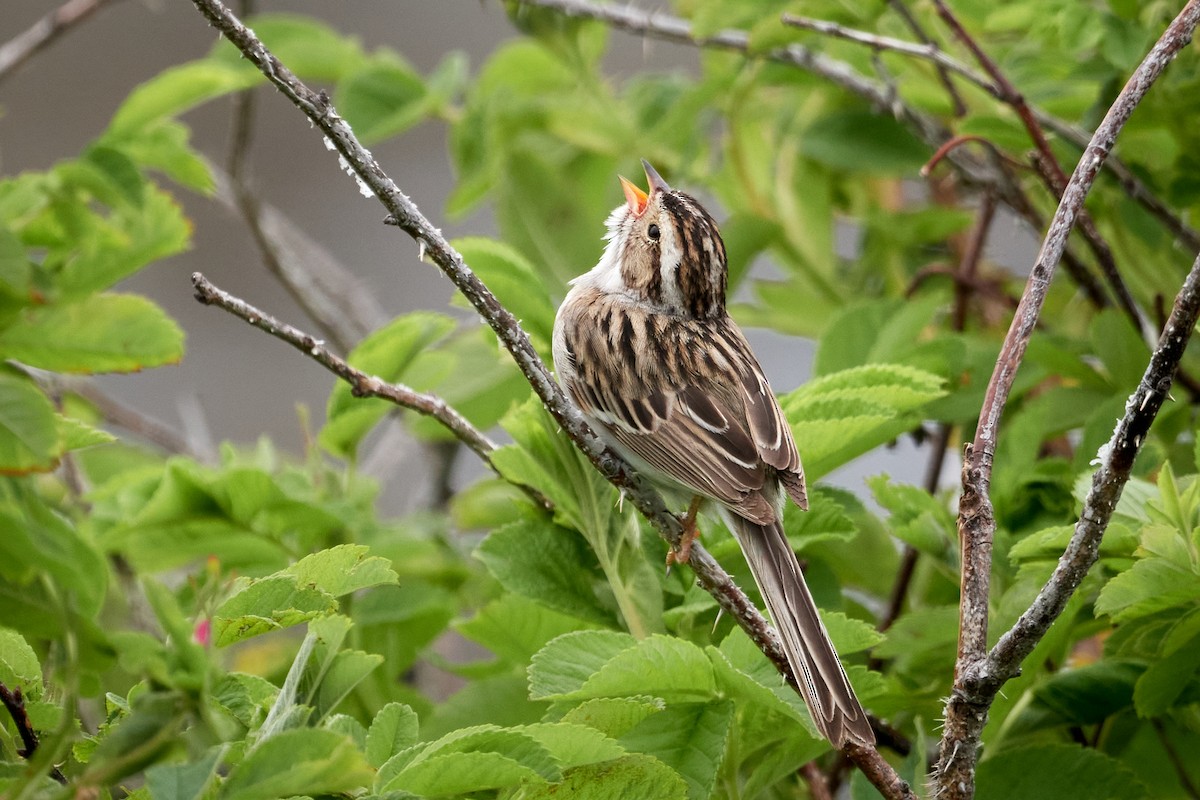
pixel 683 552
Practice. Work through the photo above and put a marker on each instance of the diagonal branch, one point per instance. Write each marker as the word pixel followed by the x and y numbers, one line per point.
pixel 405 214
pixel 44 32
pixel 1117 456
pixel 361 384
pixel 966 710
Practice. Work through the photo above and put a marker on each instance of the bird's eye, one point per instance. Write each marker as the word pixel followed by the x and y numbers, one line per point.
pixel 653 232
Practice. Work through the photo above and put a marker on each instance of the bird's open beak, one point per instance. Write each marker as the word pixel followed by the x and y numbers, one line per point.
pixel 635 197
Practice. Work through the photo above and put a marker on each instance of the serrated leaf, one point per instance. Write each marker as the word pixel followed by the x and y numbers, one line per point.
pixel 303 761
pixel 393 729
pixel 564 665
pixel 850 635
pixel 688 737
pixel 574 744
pixel 19 667
pixel 613 716
pixel 634 775
pixel 843 415
pixel 546 563
pixel 661 666
pixel 1150 585
pixel 1051 771
pixel 28 426
pixel 266 605
pixel 461 773
pixel 103 333
pixel 342 569
pixel 514 627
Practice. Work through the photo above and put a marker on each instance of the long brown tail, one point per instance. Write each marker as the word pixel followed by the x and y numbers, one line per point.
pixel 831 701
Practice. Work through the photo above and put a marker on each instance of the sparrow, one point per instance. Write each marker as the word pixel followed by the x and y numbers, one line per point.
pixel 644 346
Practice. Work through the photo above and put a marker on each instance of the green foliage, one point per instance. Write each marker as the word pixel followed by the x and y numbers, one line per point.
pixel 252 628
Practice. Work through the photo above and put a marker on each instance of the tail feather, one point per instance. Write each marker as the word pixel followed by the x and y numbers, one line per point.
pixel 831 701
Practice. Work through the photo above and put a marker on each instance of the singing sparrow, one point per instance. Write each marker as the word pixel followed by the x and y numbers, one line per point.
pixel 644 346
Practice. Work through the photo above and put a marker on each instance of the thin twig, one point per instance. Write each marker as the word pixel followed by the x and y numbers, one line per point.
pixel 1046 162
pixel 1129 181
pixel 44 32
pixel 960 107
pixel 361 384
pixel 975 682
pixel 928 51
pixel 1177 762
pixel 333 297
pixel 14 702
pixel 406 215
pixel 816 780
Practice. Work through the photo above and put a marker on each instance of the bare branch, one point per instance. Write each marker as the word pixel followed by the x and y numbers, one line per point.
pixel 405 214
pixel 361 384
pixel 44 32
pixel 960 107
pixel 966 711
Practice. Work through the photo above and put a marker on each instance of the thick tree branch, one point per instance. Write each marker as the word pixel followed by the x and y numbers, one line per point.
pixel 44 32
pixel 405 214
pixel 966 710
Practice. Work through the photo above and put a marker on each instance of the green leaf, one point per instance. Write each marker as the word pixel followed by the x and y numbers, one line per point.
pixel 382 98
pixel 76 434
pixel 546 563
pixel 266 605
pixel 310 48
pixel 182 781
pixel 574 744
pixel 841 416
pixel 565 664
pixel 1163 682
pixel 16 274
pixel 661 666
pixel 514 627
pixel 303 761
pixel 19 667
pixel 117 247
pixel 1150 585
pixel 863 141
pixel 613 716
pixel 29 439
pixel 516 285
pixel 688 737
pixel 634 775
pixel 393 729
pixel 469 759
pixel 103 333
pixel 342 569
pixel 138 739
pixel 1051 771
pixel 850 635
pixel 387 353
pixel 1085 695
pixel 176 90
